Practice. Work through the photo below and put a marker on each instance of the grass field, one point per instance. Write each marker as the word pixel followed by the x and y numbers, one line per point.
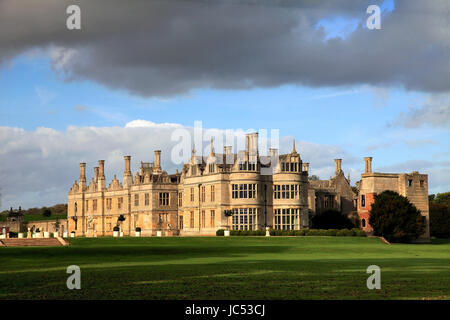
pixel 227 268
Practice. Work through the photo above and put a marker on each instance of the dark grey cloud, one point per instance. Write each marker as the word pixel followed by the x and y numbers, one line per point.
pixel 165 48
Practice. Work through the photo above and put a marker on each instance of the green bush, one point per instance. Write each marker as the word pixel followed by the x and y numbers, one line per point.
pixel 220 233
pixel 247 233
pixel 332 232
pixel 116 228
pixel 440 219
pixel 316 232
pixel 138 229
pixel 13 234
pixel 345 233
pixel 395 218
pixel 312 232
pixel 360 233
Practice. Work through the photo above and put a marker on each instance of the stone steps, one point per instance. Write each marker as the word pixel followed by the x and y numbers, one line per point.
pixel 36 242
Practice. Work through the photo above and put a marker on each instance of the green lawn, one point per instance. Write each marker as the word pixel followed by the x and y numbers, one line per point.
pixel 227 268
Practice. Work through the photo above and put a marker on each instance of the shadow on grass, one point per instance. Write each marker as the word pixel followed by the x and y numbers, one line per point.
pixel 265 279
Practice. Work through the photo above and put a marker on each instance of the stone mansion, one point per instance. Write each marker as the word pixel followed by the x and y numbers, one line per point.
pixel 237 191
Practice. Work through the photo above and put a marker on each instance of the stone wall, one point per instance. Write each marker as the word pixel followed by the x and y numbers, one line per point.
pixel 43 225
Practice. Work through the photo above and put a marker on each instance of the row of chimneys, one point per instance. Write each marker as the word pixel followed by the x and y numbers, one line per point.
pixel 367 163
pixel 99 172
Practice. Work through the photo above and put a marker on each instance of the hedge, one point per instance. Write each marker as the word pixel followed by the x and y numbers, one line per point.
pixel 297 233
pixel 247 233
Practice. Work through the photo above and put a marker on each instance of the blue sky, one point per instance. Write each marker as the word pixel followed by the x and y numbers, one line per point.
pixel 333 106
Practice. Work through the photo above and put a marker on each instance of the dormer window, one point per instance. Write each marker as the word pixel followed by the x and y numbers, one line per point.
pixel 211 167
pixel 243 166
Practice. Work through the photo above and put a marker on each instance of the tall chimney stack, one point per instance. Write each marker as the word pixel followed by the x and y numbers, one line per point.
pixel 368 164
pixel 157 164
pixel 337 166
pixel 158 159
pixel 252 143
pixel 101 172
pixel 127 165
pixel 101 175
pixel 82 183
pixel 127 177
pixel 96 174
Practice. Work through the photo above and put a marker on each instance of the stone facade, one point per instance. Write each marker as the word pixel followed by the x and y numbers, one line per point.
pixel 148 200
pixel 42 225
pixel 198 200
pixel 238 191
pixel 335 193
pixel 413 186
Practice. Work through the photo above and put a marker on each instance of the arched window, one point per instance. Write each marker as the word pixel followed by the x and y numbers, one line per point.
pixel 363 223
pixel 76 208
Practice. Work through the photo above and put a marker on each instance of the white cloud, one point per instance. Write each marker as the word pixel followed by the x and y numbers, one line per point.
pixel 38 167
pixel 434 112
pixel 61 57
pixel 44 95
pixel 148 124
